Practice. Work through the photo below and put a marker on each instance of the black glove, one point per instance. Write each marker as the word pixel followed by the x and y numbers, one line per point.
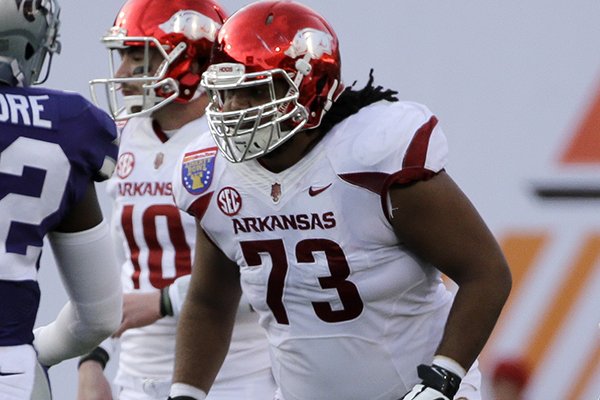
pixel 437 384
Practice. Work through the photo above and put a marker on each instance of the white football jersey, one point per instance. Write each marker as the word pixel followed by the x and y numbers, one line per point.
pixel 348 311
pixel 155 245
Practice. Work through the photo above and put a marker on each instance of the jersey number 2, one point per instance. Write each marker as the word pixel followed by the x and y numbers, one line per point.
pixel 34 199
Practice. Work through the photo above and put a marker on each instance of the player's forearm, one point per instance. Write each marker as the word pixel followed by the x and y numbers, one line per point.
pixel 70 335
pixel 92 280
pixel 203 336
pixel 469 324
pixel 474 313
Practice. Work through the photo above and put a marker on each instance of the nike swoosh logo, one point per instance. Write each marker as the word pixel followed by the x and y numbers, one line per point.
pixel 10 373
pixel 313 192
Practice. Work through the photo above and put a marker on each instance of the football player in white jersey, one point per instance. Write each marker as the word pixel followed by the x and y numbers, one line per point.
pixel 331 210
pixel 163 46
pixel 53 146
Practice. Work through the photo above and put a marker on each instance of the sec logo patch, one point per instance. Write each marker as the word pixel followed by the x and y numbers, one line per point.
pixel 229 201
pixel 125 165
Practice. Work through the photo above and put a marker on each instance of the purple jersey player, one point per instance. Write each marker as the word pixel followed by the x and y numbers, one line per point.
pixel 53 146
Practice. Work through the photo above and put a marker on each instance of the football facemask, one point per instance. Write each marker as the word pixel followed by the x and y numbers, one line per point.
pixel 246 133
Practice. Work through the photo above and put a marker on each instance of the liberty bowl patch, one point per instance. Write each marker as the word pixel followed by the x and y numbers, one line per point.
pixel 197 170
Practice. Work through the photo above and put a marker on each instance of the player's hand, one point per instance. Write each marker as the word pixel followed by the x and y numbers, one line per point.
pixel 421 392
pixel 139 309
pixel 437 384
pixel 92 383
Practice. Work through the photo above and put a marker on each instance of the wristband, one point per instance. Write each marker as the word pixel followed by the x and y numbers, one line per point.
pixel 450 365
pixel 440 379
pixel 183 391
pixel 166 308
pixel 98 354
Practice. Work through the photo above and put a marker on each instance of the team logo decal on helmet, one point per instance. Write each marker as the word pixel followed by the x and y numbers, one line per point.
pixel 191 24
pixel 198 170
pixel 312 42
pixel 28 9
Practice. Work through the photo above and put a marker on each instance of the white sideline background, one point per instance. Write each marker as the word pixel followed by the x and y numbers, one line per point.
pixel 510 81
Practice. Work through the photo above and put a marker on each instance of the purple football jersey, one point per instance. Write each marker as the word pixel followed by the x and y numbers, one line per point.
pixel 52 144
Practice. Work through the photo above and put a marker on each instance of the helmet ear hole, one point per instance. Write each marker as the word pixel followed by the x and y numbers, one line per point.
pixel 29 51
pixel 202 63
pixel 321 84
pixel 320 98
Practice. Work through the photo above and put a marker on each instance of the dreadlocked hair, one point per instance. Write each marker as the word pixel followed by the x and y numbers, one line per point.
pixel 351 101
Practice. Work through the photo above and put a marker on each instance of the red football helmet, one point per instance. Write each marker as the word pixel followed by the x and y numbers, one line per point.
pixel 261 43
pixel 181 30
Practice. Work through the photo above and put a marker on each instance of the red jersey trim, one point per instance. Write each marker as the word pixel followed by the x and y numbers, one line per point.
pixel 417 149
pixel 373 181
pixel 413 167
pixel 198 208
